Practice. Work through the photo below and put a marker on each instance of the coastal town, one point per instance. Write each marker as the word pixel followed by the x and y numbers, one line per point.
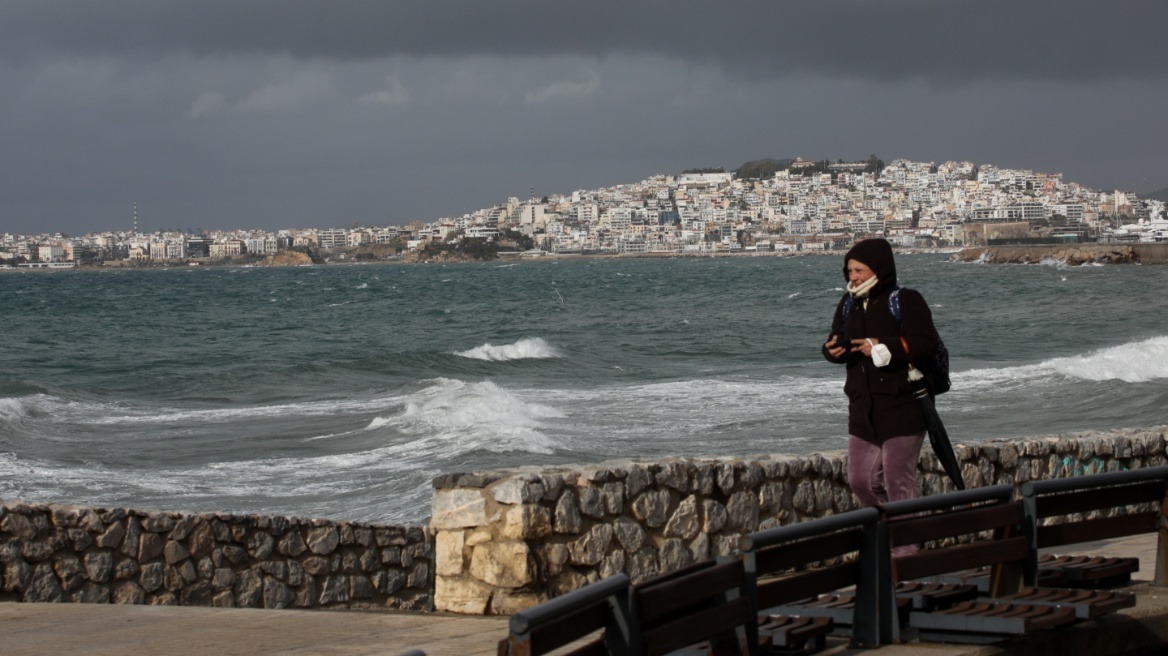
pixel 771 206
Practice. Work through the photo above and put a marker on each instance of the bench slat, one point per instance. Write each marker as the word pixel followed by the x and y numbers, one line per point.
pixel 660 599
pixel 805 584
pixel 1103 528
pixel 799 554
pixel 1098 498
pixel 959 557
pixel 916 530
pixel 695 627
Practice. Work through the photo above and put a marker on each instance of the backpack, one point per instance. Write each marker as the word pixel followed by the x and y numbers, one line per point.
pixel 937 369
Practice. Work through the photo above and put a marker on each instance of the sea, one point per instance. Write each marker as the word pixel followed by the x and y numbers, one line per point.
pixel 342 391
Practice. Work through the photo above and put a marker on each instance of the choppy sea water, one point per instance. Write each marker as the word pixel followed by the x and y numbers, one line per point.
pixel 342 391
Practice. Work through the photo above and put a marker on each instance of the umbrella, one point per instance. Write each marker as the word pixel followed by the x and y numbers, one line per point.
pixel 938 437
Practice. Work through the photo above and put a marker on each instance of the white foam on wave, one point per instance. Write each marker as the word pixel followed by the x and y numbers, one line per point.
pixel 103 414
pixel 524 349
pixel 12 408
pixel 456 417
pixel 1137 362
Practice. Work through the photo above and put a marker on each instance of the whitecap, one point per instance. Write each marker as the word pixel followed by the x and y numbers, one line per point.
pixel 462 417
pixel 794 294
pixel 527 348
pixel 1136 362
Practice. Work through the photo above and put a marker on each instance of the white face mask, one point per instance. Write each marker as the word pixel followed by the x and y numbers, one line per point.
pixel 861 290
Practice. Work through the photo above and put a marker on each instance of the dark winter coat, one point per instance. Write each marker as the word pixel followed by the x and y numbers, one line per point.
pixel 880 401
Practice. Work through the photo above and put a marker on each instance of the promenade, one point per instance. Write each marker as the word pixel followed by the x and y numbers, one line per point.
pixel 34 629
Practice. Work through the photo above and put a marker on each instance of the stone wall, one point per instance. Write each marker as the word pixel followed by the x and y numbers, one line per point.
pixel 507 540
pixel 74 553
pixel 497 541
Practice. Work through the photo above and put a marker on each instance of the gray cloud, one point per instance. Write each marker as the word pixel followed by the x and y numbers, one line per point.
pixel 285 113
pixel 943 41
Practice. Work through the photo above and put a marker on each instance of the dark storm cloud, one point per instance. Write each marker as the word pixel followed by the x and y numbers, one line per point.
pixel 943 41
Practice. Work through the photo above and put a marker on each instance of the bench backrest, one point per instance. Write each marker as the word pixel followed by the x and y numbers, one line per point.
pixel 794 562
pixel 952 523
pixel 600 606
pixel 705 601
pixel 1075 500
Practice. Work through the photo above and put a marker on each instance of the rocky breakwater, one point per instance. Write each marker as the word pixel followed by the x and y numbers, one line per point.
pixel 287 258
pixel 507 540
pixel 82 554
pixel 1069 254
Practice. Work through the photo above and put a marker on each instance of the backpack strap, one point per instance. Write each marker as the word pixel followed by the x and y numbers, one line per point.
pixel 893 306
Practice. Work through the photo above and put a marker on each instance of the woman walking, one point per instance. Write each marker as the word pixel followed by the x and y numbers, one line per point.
pixel 885 423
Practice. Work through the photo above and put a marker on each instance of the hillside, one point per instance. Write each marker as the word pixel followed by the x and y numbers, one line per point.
pixel 1161 195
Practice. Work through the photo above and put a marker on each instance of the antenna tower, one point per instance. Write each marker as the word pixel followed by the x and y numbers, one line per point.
pixel 135 217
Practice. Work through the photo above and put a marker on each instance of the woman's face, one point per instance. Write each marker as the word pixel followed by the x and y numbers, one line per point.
pixel 858 272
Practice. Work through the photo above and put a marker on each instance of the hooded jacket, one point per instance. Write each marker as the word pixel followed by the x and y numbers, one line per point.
pixel 880 400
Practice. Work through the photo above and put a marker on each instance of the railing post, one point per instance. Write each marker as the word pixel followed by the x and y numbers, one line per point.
pixel 1161 577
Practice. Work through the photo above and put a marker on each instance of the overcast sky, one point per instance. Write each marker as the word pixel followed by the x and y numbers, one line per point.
pixel 301 113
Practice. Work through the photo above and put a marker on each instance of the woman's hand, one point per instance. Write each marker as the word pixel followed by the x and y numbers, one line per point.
pixel 865 345
pixel 834 348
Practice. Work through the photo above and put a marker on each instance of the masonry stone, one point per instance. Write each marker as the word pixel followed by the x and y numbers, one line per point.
pixel 458 509
pixel 567 517
pixel 590 548
pixel 651 507
pixel 591 502
pixel 501 564
pixel 684 521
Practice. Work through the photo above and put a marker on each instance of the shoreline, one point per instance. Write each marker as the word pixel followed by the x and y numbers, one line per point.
pixel 1070 254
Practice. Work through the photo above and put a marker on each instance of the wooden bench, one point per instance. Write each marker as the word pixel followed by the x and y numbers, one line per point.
pixel 701 609
pixel 964 531
pixel 795 574
pixel 600 608
pixel 1079 509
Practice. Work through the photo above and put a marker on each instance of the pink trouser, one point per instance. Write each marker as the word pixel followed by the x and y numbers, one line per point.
pixel 885 472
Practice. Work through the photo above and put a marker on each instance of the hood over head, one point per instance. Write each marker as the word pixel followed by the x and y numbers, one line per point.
pixel 876 254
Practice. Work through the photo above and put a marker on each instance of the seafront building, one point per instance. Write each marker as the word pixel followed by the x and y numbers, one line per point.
pixel 805 206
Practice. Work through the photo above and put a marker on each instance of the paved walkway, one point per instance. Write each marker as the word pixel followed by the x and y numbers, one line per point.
pixel 27 629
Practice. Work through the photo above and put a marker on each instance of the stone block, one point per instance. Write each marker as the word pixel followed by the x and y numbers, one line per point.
pixel 201 540
pixel 651 507
pixel 567 518
pixel 44 585
pixel 112 536
pixel 152 577
pixel 514 490
pixel 461 595
pixel 459 508
pixel 448 557
pixel 99 565
pixel 502 564
pixel 128 592
pixel 714 516
pixel 19 525
pixel 419 576
pixel 278 595
pixel 323 540
pixel 158 523
pixel 174 552
pixel 260 545
pixel 249 589
pixel 527 521
pixel 589 549
pixel 591 502
pixel 684 521
pixel 637 480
